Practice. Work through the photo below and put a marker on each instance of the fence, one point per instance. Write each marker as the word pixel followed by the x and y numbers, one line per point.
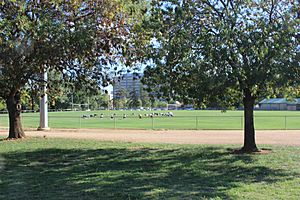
pixel 157 122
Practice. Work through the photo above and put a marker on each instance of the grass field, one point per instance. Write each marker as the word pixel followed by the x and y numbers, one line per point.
pixel 204 119
pixel 81 169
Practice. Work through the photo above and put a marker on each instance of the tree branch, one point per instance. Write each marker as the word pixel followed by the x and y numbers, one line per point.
pixel 271 11
pixel 215 9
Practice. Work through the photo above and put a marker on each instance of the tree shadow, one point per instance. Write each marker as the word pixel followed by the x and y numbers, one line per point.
pixel 129 173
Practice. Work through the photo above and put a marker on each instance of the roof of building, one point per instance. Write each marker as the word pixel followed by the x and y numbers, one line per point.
pixel 281 100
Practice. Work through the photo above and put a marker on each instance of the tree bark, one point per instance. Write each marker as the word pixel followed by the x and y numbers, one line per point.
pixel 249 131
pixel 14 110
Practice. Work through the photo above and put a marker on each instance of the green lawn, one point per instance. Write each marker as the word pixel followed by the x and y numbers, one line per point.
pixel 64 169
pixel 203 119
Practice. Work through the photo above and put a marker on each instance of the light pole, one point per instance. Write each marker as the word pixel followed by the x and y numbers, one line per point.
pixel 44 103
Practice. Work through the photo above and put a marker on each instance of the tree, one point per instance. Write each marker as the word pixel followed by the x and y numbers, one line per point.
pixel 146 100
pixel 120 99
pixel 223 51
pixel 2 105
pixel 134 100
pixel 120 103
pixel 162 104
pixel 32 91
pixel 80 39
pixel 103 101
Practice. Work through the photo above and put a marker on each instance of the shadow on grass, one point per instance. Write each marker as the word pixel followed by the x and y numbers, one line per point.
pixel 128 173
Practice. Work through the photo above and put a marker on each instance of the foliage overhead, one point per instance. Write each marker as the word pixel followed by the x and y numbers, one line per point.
pixel 208 51
pixel 82 39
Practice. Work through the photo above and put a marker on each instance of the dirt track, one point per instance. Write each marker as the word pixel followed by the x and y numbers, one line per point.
pixel 282 137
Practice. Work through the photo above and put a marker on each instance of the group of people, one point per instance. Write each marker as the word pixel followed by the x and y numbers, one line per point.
pixel 168 114
pixel 89 116
pixel 140 116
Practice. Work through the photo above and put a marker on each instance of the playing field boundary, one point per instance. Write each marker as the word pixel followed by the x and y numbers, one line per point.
pixel 180 120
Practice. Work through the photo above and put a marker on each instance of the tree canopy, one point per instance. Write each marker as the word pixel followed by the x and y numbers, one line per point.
pixel 81 39
pixel 223 51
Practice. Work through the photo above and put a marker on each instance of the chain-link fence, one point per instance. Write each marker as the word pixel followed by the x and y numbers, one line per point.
pixel 160 122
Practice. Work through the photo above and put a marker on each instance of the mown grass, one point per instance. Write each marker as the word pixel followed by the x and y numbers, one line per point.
pixel 80 169
pixel 197 119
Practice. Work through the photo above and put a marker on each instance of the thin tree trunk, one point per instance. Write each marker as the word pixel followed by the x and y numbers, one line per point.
pixel 32 103
pixel 249 131
pixel 14 111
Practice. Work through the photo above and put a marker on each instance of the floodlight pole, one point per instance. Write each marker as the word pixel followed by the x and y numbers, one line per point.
pixel 44 103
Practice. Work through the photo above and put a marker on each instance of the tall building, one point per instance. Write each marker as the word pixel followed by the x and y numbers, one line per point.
pixel 126 84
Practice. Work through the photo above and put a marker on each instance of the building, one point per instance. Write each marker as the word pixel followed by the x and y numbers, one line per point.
pixel 125 84
pixel 279 104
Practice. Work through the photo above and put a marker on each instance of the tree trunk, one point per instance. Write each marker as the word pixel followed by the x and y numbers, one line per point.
pixel 249 131
pixel 32 103
pixel 14 111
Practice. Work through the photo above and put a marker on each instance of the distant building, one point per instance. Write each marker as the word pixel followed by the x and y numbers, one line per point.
pixel 279 104
pixel 126 84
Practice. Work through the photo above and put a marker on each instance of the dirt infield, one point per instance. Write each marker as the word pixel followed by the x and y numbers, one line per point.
pixel 280 137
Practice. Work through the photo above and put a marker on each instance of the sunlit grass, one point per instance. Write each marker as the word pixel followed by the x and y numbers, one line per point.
pixel 203 119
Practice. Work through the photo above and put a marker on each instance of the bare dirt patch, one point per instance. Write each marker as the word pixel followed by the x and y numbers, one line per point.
pixel 279 137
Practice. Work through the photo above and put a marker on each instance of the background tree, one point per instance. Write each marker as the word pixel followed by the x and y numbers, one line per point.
pixel 33 92
pixel 161 104
pixel 2 105
pixel 223 51
pixel 134 100
pixel 145 98
pixel 120 100
pixel 81 39
pixel 103 101
pixel 120 103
